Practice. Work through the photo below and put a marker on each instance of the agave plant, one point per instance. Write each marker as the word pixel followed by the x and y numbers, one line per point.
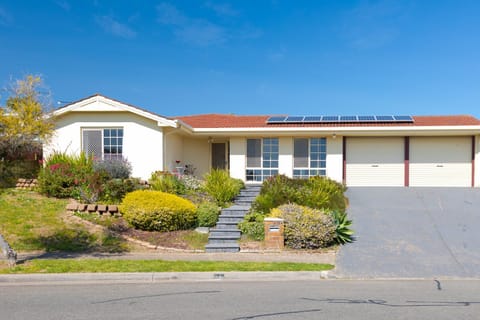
pixel 343 233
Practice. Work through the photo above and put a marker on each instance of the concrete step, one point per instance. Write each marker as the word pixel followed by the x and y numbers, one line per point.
pixel 226 225
pixel 246 198
pixel 225 232
pixel 227 212
pixel 229 219
pixel 249 193
pixel 236 207
pixel 222 247
pixel 243 203
pixel 223 240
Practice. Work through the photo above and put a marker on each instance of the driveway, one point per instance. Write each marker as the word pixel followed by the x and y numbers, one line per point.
pixel 413 233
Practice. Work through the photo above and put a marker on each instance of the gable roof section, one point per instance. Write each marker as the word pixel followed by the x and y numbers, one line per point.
pixel 100 103
pixel 217 121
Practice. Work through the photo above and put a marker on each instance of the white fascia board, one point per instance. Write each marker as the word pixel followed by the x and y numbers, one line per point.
pixel 161 121
pixel 422 130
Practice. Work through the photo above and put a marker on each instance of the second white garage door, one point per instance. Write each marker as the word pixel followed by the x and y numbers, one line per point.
pixel 375 161
pixel 440 162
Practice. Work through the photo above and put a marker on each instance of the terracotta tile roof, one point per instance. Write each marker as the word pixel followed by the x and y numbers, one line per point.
pixel 241 121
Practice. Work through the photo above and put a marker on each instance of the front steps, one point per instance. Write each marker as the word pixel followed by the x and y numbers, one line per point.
pixel 224 237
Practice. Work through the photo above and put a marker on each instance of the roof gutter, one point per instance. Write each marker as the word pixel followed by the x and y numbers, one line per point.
pixel 472 129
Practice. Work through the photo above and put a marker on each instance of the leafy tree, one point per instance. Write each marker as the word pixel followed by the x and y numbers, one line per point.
pixel 24 126
pixel 24 123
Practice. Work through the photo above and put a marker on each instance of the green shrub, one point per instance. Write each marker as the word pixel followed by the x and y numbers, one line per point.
pixel 115 168
pixel 115 189
pixel 275 191
pixel 12 170
pixel 166 182
pixel 191 183
pixel 158 211
pixel 207 214
pixel 92 189
pixel 221 186
pixel 343 233
pixel 322 193
pixel 306 228
pixel 252 226
pixel 315 192
pixel 62 173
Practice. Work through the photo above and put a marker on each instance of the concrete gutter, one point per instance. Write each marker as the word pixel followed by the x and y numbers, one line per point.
pixel 154 277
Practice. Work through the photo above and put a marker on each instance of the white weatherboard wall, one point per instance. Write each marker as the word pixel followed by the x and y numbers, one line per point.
pixel 145 155
pixel 375 161
pixel 335 158
pixel 285 156
pixel 238 151
pixel 440 161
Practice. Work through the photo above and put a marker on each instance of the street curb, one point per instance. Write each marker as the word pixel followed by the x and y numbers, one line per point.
pixel 152 277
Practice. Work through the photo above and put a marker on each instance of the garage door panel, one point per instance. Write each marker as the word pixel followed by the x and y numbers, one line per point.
pixel 375 161
pixel 440 161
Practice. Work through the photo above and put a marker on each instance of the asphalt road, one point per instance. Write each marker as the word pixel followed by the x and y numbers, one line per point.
pixel 412 233
pixel 321 299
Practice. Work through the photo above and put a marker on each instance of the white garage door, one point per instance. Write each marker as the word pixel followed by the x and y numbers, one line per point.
pixel 440 162
pixel 375 161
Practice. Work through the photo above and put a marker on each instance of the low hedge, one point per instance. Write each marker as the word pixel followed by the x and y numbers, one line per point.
pixel 314 192
pixel 152 210
pixel 306 228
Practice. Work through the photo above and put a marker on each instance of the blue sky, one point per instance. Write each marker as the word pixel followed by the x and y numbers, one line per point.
pixel 251 56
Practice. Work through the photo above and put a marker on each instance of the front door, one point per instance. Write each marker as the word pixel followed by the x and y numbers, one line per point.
pixel 219 155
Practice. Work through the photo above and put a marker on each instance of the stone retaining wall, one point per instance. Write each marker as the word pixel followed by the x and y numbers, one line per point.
pixel 93 208
pixel 26 183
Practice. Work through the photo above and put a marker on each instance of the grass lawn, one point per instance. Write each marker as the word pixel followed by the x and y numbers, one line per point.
pixel 105 265
pixel 29 221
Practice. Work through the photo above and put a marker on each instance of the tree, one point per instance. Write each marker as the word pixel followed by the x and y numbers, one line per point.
pixel 24 121
pixel 24 125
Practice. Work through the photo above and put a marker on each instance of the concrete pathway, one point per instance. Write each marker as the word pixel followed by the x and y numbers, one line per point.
pixel 285 256
pixel 412 232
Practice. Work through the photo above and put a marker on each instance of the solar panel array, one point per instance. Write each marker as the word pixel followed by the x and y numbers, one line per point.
pixel 338 119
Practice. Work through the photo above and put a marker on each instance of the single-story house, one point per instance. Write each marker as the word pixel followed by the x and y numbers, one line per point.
pixel 355 150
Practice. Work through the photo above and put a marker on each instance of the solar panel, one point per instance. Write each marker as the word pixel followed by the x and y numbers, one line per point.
pixel 348 118
pixel 294 119
pixel 345 119
pixel 276 119
pixel 385 118
pixel 366 118
pixel 313 119
pixel 403 118
pixel 330 118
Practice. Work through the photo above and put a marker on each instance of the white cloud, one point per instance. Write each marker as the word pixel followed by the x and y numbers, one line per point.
pixel 201 33
pixel 276 56
pixel 5 17
pixel 65 5
pixel 198 32
pixel 115 28
pixel 169 14
pixel 373 24
pixel 222 9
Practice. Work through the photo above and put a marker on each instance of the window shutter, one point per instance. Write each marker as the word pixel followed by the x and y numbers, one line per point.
pixel 300 153
pixel 254 153
pixel 92 143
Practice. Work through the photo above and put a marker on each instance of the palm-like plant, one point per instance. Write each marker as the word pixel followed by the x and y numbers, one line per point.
pixel 343 232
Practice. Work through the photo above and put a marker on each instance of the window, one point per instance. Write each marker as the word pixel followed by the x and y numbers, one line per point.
pixel 309 157
pixel 103 143
pixel 262 159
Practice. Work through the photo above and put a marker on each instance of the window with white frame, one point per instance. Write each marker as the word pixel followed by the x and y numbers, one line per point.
pixel 262 159
pixel 309 157
pixel 105 143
